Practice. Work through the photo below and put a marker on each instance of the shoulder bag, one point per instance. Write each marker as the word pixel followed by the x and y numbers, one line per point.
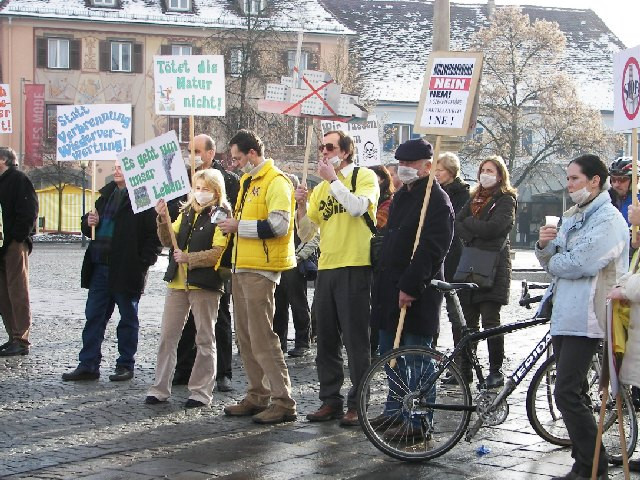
pixel 478 266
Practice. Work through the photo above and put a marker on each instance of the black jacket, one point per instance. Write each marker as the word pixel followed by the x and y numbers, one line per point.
pixel 19 207
pixel 134 246
pixel 458 192
pixel 489 232
pixel 399 272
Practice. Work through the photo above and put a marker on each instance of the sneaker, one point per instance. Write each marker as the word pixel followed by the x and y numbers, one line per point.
pixel 326 413
pixel 243 409
pixel 223 384
pixel 299 352
pixel 80 373
pixel 275 414
pixel 122 373
pixel 191 403
pixel 495 380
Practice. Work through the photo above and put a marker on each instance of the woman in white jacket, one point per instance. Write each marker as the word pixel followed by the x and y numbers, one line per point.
pixel 585 257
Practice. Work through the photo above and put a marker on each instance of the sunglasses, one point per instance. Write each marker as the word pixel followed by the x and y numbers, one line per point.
pixel 329 146
pixel 619 179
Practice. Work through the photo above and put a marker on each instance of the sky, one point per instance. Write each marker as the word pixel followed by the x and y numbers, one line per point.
pixel 621 16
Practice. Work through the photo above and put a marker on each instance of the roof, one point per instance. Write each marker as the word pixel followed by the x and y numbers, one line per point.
pixel 394 40
pixel 207 13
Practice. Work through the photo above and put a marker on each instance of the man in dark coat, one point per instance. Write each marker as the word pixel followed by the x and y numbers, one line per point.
pixel 19 212
pixel 403 280
pixel 114 270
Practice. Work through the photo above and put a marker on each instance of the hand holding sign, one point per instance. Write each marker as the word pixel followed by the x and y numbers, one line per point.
pixel 93 218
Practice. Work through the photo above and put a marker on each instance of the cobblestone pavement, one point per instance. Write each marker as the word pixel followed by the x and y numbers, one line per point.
pixel 103 430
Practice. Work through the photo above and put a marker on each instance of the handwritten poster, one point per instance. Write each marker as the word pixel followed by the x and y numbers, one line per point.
pixel 5 109
pixel 366 138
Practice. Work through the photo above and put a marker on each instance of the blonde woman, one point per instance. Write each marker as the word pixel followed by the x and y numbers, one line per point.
pixel 485 223
pixel 194 284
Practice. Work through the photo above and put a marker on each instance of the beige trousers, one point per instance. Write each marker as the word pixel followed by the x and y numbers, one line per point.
pixel 259 346
pixel 14 292
pixel 204 305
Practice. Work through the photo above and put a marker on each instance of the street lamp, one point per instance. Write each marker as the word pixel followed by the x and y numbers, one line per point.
pixel 83 166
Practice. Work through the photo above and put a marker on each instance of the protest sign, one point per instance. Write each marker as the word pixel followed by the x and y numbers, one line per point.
pixel 154 170
pixel 5 109
pixel 92 132
pixel 365 136
pixel 34 128
pixel 448 93
pixel 626 89
pixel 189 85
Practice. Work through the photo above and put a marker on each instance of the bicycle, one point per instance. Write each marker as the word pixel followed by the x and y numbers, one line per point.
pixel 409 414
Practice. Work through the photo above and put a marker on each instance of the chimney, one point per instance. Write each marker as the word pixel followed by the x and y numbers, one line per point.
pixel 491 8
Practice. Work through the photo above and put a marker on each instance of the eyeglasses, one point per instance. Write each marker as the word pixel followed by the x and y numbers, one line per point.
pixel 619 179
pixel 329 146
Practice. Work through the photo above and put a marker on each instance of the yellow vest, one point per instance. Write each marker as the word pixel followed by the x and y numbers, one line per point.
pixel 268 191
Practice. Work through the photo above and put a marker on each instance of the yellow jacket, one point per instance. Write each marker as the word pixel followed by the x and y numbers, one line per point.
pixel 268 190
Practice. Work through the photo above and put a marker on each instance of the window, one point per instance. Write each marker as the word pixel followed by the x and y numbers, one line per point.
pixel 236 67
pixel 120 57
pixel 51 122
pixel 58 54
pixel 104 3
pixel 180 5
pixel 180 49
pixel 527 142
pixel 180 125
pixel 477 135
pixel 397 133
pixel 254 6
pixel 291 60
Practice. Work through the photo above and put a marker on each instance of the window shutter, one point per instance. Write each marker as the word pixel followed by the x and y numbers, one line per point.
pixel 41 52
pixel 105 56
pixel 74 54
pixel 165 49
pixel 196 50
pixel 138 64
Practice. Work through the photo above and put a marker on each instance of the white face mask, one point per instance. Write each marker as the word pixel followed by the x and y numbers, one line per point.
pixel 407 174
pixel 335 161
pixel 580 196
pixel 488 181
pixel 203 197
pixel 197 160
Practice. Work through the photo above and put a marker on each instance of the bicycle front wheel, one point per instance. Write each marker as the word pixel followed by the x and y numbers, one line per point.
pixel 406 411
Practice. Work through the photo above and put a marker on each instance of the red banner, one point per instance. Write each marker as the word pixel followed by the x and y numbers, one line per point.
pixel 34 127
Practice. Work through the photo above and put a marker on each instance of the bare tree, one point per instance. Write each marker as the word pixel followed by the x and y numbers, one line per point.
pixel 529 108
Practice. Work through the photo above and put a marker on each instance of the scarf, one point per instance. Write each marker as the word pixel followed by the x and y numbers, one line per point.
pixel 480 199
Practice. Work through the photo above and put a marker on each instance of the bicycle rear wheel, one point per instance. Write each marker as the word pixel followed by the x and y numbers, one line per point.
pixel 546 420
pixel 404 421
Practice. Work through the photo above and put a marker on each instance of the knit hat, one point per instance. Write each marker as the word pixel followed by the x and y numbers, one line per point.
pixel 414 150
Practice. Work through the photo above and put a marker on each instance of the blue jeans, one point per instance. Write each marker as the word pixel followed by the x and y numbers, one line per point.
pixel 100 304
pixel 408 375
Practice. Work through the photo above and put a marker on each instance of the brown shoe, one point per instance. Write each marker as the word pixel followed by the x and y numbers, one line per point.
pixel 407 433
pixel 243 409
pixel 326 413
pixel 275 414
pixel 350 419
pixel 386 421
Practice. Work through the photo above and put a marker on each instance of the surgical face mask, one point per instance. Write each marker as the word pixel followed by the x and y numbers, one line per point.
pixel 580 196
pixel 203 197
pixel 407 174
pixel 488 181
pixel 197 160
pixel 246 168
pixel 335 161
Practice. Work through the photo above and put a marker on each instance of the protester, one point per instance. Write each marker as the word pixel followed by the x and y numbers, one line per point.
pixel 19 211
pixel 292 291
pixel 386 196
pixel 448 175
pixel 485 222
pixel 339 206
pixel 114 270
pixel 194 285
pixel 584 257
pixel 205 150
pixel 392 168
pixel 402 280
pixel 262 230
pixel 620 173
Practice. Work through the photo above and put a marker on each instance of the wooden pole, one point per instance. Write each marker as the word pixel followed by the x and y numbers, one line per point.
pixel 192 129
pixel 603 411
pixel 634 178
pixel 423 213
pixel 307 154
pixel 93 190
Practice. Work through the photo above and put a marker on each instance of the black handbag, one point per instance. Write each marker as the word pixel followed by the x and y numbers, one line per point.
pixel 478 266
pixel 309 267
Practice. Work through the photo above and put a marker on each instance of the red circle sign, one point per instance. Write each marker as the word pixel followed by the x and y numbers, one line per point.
pixel 631 88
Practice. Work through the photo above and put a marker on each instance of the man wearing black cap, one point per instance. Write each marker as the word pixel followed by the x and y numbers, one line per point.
pixel 339 206
pixel 403 281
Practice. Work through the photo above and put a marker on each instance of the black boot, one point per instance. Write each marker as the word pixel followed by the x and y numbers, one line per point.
pixel 496 357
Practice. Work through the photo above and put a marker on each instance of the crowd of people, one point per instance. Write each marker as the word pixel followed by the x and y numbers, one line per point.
pixel 250 240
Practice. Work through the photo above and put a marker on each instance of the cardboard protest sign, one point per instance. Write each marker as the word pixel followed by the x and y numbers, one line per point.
pixel 92 132
pixel 448 93
pixel 154 170
pixel 189 85
pixel 626 89
pixel 365 136
pixel 5 109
